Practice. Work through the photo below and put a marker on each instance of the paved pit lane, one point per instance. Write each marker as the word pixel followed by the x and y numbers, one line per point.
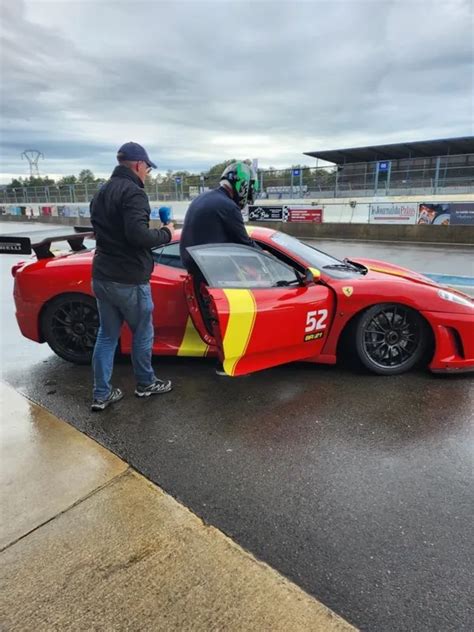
pixel 356 487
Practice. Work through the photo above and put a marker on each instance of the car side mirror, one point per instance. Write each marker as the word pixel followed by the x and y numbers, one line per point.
pixel 310 277
pixel 307 278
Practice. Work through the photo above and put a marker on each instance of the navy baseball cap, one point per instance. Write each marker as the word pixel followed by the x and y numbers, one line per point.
pixel 134 151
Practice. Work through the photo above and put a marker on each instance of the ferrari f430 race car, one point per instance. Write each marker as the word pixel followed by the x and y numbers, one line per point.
pixel 254 309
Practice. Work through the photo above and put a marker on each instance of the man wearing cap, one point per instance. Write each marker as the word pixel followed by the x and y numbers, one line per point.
pixel 121 270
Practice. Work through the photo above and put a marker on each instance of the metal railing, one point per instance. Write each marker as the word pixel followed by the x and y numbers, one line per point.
pixel 304 182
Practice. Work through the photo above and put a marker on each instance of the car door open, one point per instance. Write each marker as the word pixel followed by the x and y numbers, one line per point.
pixel 263 313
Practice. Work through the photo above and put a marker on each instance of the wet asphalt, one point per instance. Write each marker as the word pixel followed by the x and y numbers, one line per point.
pixel 356 487
pixel 421 257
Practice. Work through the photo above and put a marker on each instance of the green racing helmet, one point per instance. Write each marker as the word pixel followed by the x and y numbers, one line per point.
pixel 240 176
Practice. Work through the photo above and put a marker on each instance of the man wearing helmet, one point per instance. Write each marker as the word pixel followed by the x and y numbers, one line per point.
pixel 215 217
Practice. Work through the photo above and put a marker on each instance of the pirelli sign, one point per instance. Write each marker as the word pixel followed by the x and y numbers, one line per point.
pixel 14 245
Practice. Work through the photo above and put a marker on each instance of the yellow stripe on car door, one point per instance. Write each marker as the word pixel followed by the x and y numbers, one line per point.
pixel 192 343
pixel 242 314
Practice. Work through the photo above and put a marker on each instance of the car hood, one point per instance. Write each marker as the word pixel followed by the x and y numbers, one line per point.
pixel 392 282
pixel 377 268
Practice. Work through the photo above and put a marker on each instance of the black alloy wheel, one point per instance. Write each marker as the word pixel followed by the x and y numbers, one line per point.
pixel 70 323
pixel 390 338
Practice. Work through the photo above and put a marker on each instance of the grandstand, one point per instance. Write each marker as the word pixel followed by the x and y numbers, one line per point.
pixel 414 168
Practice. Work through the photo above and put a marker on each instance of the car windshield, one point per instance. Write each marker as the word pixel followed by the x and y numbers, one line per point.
pixel 315 258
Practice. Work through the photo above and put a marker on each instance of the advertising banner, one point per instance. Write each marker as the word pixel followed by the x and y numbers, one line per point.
pixel 434 213
pixel 12 209
pixel 266 214
pixel 68 211
pixel 393 213
pixel 443 214
pixel 193 192
pixel 15 210
pixel 462 213
pixel 47 210
pixel 304 214
pixel 73 210
pixel 84 210
pixel 286 191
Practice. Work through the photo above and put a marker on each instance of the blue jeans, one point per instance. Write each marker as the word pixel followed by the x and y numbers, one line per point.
pixel 118 303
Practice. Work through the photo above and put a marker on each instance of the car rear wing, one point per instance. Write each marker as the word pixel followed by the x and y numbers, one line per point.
pixel 40 242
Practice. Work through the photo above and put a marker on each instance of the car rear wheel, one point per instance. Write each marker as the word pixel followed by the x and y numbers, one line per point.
pixel 70 324
pixel 390 338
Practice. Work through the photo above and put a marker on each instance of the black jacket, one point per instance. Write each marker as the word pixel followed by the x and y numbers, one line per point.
pixel 120 216
pixel 212 218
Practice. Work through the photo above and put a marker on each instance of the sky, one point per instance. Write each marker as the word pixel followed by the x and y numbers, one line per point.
pixel 200 82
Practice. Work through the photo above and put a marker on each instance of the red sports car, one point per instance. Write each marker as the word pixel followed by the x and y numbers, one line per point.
pixel 256 308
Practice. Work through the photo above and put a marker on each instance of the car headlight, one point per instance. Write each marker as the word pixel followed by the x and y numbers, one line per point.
pixel 455 298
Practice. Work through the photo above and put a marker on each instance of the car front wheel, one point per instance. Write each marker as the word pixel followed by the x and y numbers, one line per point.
pixel 390 338
pixel 70 323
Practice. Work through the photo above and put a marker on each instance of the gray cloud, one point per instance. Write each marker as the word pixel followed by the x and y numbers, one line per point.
pixel 197 82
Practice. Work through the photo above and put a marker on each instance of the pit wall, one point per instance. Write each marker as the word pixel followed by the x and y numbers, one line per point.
pixel 459 235
pixel 340 210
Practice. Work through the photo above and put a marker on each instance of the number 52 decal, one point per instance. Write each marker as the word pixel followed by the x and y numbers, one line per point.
pixel 315 323
pixel 316 320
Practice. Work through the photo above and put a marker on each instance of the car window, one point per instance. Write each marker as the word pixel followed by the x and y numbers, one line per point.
pixel 315 258
pixel 236 266
pixel 168 255
pixel 281 256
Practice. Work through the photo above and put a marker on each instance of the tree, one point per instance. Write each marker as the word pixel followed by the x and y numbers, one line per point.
pixel 41 181
pixel 168 176
pixel 16 183
pixel 66 180
pixel 324 177
pixel 149 181
pixel 216 170
pixel 38 181
pixel 86 176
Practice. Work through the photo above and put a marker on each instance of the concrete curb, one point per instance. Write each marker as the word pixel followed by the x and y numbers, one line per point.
pixel 124 555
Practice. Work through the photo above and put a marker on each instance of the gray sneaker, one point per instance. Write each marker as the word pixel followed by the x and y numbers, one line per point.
pixel 157 388
pixel 101 404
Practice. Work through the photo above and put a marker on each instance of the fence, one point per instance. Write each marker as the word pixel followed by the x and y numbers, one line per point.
pixel 430 176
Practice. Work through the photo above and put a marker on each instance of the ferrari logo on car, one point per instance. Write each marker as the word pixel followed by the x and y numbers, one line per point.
pixel 348 290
